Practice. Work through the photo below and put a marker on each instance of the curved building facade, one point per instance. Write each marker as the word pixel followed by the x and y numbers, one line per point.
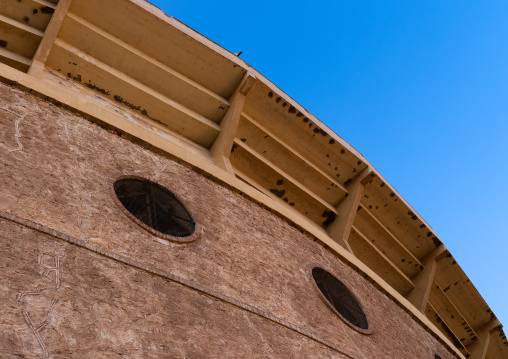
pixel 162 199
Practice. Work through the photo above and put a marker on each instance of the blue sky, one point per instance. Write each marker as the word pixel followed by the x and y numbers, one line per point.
pixel 418 87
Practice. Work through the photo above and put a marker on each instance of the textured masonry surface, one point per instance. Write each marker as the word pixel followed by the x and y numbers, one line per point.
pixel 59 300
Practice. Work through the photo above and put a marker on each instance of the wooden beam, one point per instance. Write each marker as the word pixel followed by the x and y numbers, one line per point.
pixel 128 59
pixel 367 221
pixel 364 250
pixel 454 320
pixel 398 217
pixel 290 181
pixel 41 55
pixel 479 348
pixel 123 89
pixel 221 148
pixel 462 292
pixel 15 57
pixel 21 26
pixel 278 185
pixel 22 10
pixel 302 219
pixel 423 281
pixel 46 3
pixel 18 37
pixel 340 228
pixel 440 326
pixel 150 31
pixel 291 161
pixel 287 120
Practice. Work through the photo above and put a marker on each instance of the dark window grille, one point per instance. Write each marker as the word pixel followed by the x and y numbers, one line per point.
pixel 155 206
pixel 340 298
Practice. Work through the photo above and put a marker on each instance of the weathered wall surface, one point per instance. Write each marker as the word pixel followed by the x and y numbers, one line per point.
pixel 241 290
pixel 88 306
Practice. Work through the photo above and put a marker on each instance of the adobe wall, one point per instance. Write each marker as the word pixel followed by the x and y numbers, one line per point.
pixel 108 288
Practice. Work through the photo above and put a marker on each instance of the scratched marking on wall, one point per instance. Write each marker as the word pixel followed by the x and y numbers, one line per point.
pixel 65 126
pixel 20 109
pixel 159 171
pixel 51 268
pixel 84 225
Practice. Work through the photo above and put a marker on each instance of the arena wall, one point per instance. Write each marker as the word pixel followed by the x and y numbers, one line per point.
pixel 297 245
pixel 81 279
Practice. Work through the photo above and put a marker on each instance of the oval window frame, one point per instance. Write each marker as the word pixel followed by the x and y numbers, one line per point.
pixel 369 329
pixel 436 354
pixel 197 227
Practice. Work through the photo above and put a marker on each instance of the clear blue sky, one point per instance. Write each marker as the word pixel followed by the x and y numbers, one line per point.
pixel 420 88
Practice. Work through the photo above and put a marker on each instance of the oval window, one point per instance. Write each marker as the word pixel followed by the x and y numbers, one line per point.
pixel 340 298
pixel 155 207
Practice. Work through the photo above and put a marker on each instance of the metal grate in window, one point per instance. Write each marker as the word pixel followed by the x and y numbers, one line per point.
pixel 155 206
pixel 340 298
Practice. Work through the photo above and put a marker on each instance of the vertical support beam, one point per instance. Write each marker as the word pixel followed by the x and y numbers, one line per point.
pixel 419 296
pixel 221 148
pixel 478 349
pixel 340 228
pixel 50 34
